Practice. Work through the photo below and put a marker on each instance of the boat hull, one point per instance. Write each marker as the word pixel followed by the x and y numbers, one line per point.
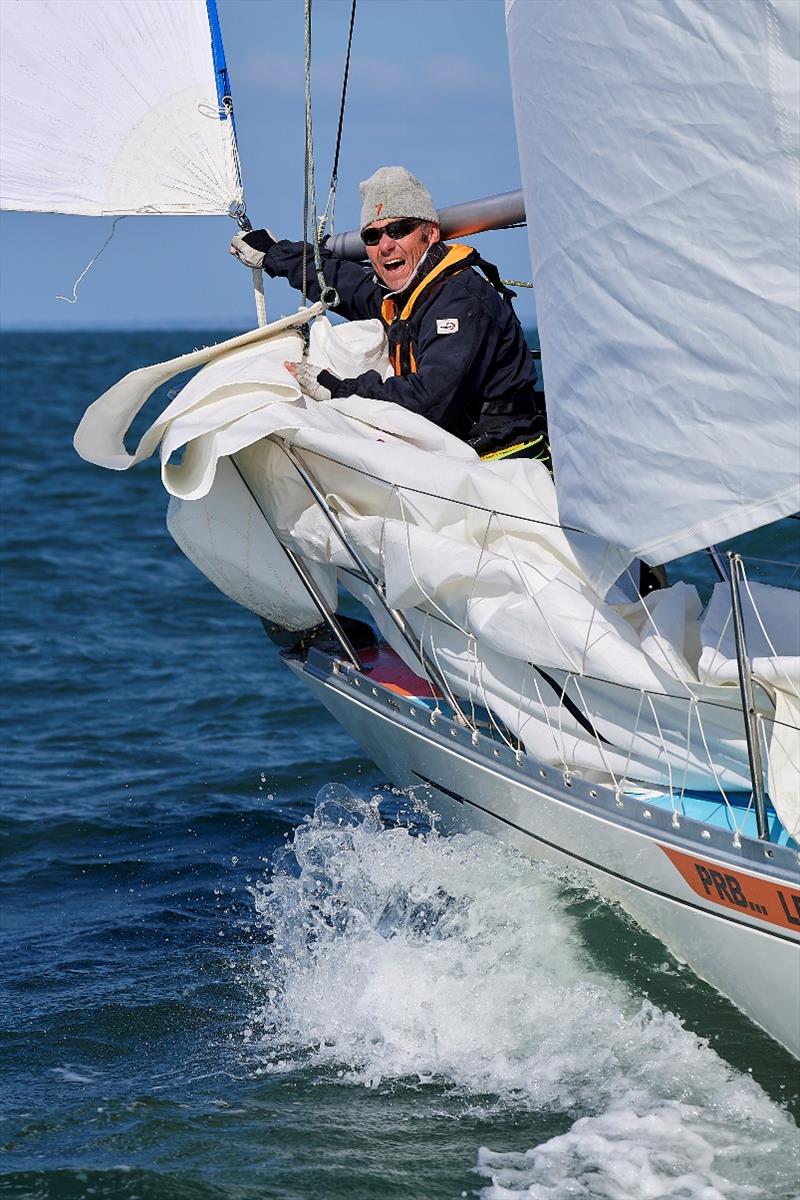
pixel 728 907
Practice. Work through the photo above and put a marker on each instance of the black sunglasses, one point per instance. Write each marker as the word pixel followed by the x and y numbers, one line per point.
pixel 370 236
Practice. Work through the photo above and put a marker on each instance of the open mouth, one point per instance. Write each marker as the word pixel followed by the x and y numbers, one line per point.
pixel 394 264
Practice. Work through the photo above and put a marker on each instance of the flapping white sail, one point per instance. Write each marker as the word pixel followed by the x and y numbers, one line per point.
pixel 115 108
pixel 659 153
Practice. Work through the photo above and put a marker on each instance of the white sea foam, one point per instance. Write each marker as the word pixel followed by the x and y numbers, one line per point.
pixel 451 960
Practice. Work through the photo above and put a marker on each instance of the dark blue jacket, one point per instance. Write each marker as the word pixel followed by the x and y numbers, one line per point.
pixel 477 382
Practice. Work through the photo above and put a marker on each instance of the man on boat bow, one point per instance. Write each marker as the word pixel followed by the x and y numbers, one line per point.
pixel 455 343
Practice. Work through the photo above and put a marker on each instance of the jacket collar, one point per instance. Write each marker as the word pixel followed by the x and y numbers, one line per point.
pixel 430 259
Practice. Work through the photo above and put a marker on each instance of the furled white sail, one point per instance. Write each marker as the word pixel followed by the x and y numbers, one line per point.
pixel 112 108
pixel 659 153
pixel 479 547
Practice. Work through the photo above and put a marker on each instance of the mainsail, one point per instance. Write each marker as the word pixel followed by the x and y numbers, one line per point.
pixel 116 108
pixel 659 153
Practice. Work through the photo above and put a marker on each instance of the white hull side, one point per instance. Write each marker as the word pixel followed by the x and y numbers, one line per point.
pixel 757 968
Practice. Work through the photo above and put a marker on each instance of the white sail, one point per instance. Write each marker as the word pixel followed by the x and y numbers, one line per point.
pixel 480 547
pixel 113 108
pixel 659 152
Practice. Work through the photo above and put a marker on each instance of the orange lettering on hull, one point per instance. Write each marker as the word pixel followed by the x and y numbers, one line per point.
pixel 739 892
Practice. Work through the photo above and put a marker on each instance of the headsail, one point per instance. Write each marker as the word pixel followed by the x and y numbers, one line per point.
pixel 115 108
pixel 659 151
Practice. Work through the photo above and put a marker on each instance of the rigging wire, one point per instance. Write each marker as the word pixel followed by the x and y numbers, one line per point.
pixel 328 295
pixel 330 203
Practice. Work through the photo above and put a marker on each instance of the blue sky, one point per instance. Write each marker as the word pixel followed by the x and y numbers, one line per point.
pixel 429 88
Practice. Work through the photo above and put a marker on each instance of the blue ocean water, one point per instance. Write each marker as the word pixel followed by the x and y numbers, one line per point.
pixel 235 966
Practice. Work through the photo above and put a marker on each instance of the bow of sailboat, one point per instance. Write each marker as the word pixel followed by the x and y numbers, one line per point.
pixel 521 680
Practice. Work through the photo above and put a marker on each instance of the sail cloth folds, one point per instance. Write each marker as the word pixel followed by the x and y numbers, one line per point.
pixel 471 552
pixel 659 153
pixel 112 109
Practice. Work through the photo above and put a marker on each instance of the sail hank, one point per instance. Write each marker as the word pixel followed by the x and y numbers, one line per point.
pixel 113 109
pixel 659 153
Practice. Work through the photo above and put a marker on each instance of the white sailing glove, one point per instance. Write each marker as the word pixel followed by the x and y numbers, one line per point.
pixel 308 379
pixel 250 248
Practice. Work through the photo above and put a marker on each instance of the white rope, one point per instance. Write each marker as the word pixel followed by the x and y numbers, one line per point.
pixel 589 717
pixel 663 748
pixel 521 575
pixel 559 755
pixel 492 718
pixel 716 652
pixel 428 598
pixel 434 690
pixel 450 694
pixel 689 717
pixel 90 264
pixel 714 771
pixel 565 766
pixel 518 733
pixel 634 733
pixel 673 667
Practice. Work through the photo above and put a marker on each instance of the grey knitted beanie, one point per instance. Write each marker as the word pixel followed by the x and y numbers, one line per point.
pixel 395 192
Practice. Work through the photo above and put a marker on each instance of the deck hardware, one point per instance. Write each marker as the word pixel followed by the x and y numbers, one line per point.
pixel 748 702
pixel 543 774
pixel 474 737
pixel 454 733
pixel 433 718
pixel 518 758
pixel 676 821
pixel 647 814
pixel 412 712
pixel 768 853
pixel 496 752
pixel 620 802
pixel 593 793
pixel 705 834
pixel 375 691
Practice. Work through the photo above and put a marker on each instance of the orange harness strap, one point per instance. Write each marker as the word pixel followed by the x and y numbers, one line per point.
pixel 455 255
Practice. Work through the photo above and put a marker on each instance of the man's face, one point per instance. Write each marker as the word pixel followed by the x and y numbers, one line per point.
pixel 395 260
